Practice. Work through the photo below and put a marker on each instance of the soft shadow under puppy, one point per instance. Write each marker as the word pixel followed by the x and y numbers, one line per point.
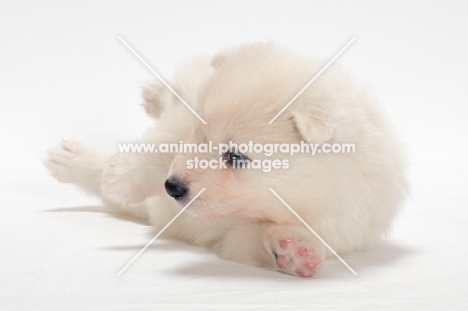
pixel 103 210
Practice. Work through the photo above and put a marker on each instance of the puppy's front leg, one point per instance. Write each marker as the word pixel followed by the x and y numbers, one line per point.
pixel 285 248
pixel 293 249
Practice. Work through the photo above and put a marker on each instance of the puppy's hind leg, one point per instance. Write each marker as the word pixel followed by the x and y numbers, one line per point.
pixel 71 162
pixel 131 178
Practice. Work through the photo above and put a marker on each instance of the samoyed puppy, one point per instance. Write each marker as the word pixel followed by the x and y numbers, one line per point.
pixel 348 198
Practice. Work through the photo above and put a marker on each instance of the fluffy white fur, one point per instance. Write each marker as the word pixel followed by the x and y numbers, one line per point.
pixel 349 199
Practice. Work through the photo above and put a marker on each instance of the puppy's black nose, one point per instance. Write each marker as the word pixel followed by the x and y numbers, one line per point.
pixel 176 188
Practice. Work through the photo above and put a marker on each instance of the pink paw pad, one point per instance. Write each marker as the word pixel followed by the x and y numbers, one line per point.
pixel 297 257
pixel 302 251
pixel 303 273
pixel 282 261
pixel 283 244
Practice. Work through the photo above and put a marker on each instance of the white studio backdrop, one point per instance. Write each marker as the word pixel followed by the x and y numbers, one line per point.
pixel 65 74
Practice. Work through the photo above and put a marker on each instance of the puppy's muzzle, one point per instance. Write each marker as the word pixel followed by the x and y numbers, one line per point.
pixel 176 188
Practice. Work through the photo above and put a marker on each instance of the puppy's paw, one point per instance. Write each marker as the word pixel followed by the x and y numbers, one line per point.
pixel 127 179
pixel 294 253
pixel 71 161
pixel 153 99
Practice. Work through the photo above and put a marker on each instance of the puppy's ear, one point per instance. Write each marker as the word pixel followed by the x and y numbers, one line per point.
pixel 153 94
pixel 313 125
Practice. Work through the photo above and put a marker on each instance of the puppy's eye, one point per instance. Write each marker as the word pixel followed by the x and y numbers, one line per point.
pixel 236 160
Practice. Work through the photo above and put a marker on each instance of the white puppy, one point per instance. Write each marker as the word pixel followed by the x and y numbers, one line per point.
pixel 349 199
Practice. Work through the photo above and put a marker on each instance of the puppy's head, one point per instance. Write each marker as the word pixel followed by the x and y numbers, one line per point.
pixel 250 86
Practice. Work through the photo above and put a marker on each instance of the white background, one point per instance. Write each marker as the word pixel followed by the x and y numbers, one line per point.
pixel 64 74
